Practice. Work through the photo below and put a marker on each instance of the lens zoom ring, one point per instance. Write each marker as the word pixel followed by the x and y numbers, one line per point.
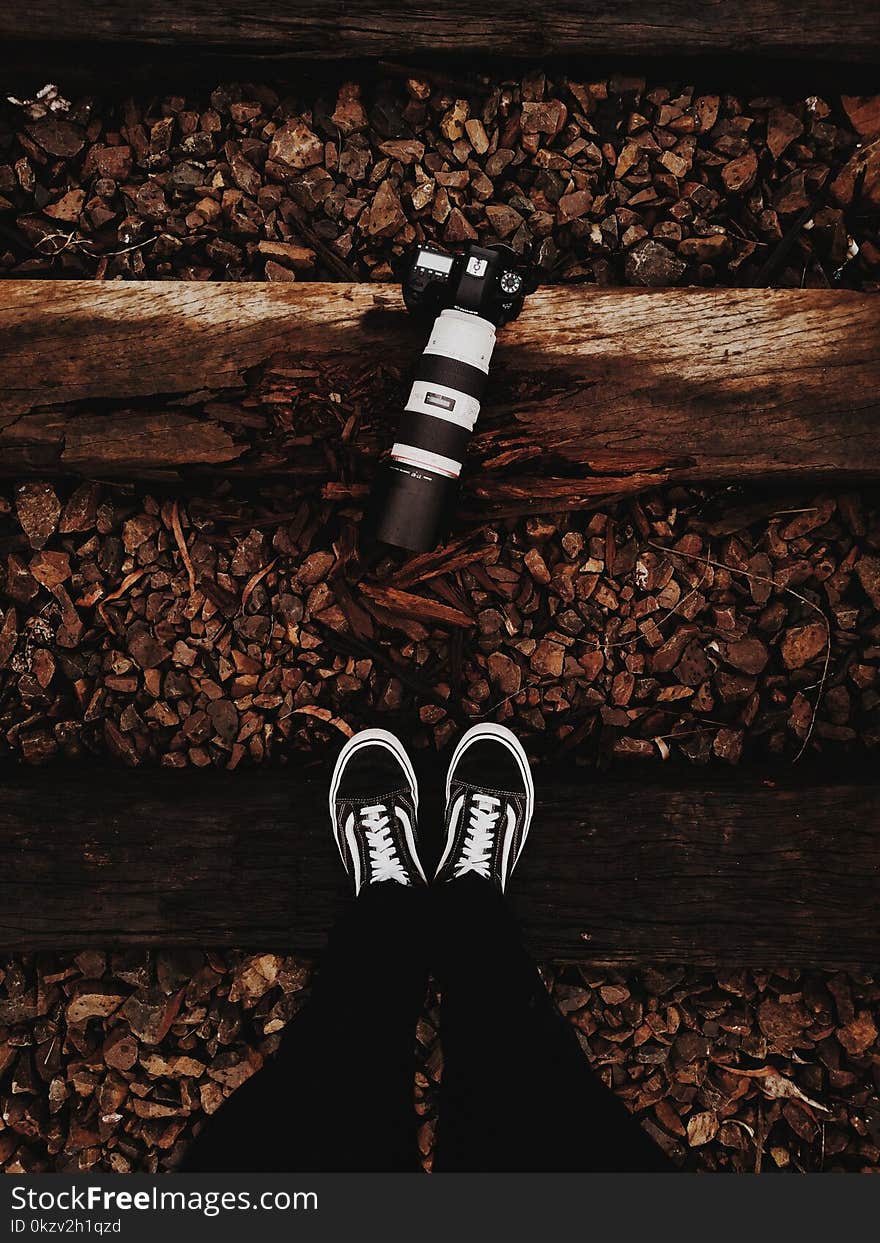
pixel 438 369
pixel 435 435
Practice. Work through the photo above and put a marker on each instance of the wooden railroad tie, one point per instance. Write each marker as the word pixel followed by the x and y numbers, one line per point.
pixel 637 387
pixel 334 29
pixel 701 869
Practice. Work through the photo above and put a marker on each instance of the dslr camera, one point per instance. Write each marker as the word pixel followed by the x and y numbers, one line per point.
pixel 466 297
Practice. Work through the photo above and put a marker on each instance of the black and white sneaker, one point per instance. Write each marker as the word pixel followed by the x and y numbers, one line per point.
pixel 490 798
pixel 374 808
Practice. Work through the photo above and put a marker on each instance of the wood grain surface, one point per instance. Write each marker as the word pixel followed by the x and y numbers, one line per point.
pixel 700 869
pixel 634 385
pixel 339 28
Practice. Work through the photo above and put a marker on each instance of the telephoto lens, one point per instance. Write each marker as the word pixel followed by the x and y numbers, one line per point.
pixel 468 297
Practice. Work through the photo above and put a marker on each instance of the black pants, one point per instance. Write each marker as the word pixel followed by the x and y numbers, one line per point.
pixel 517 1092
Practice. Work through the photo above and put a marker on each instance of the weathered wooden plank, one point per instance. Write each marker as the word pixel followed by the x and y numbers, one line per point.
pixel 635 385
pixel 707 870
pixel 336 28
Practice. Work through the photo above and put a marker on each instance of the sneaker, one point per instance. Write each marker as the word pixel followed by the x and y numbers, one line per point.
pixel 490 798
pixel 374 807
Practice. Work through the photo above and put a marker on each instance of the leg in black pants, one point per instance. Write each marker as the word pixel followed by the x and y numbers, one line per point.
pixel 339 1093
pixel 517 1091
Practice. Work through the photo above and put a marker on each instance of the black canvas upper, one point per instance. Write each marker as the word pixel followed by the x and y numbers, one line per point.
pixel 374 810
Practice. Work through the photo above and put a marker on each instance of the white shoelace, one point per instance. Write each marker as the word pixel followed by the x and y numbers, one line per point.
pixel 476 852
pixel 385 862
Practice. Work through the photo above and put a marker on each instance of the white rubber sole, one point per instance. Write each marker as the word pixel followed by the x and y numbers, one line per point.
pixel 363 738
pixel 499 733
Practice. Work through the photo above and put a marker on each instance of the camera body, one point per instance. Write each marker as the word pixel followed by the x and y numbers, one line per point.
pixel 466 297
pixel 484 281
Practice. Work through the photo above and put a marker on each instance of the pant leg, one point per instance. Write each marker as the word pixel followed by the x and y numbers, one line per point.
pixel 517 1092
pixel 339 1094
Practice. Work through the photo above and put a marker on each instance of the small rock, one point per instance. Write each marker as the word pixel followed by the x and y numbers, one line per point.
pixel 705 249
pixel 749 655
pixel 301 259
pixel 728 745
pixel 477 136
pixel 144 648
pixel 136 531
pixel 452 123
pixel 693 667
pixel 211 1097
pixel 859 1034
pixel 668 1117
pixel 50 568
pixel 650 263
pixel 622 688
pixel 459 228
pixel 275 272
pixel 68 207
pixel 232 1069
pixel 498 161
pixel 782 129
pixel 537 566
pixel 801 644
pixel 813 517
pixel 58 137
pixel 505 673
pixel 249 555
pixel 691 1046
pixel 868 574
pixel 71 629
pixel 152 1109
pixel 315 568
pixel 120 1050
pixel 349 114
pixel 791 196
pixel 573 206
pixel 406 150
pixel 701 1128
pixel 548 658
pixel 224 718
pixel 244 174
pixel 150 1014
pixel 113 162
pixel 546 117
pixel 21 586
pixel 254 978
pixel 93 999
pixel 504 220
pixel 150 202
pixel 864 114
pixel 8 636
pixel 296 145
pixel 782 1021
pixel 861 174
pixel 38 510
pixel 175 1067
pixel 386 215
pixel 739 174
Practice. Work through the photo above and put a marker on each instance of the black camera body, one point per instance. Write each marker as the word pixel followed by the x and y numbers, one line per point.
pixel 486 281
pixel 466 297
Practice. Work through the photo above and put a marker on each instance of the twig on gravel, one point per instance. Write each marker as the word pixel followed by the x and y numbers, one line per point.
pixel 81 244
pixel 179 539
pixel 128 581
